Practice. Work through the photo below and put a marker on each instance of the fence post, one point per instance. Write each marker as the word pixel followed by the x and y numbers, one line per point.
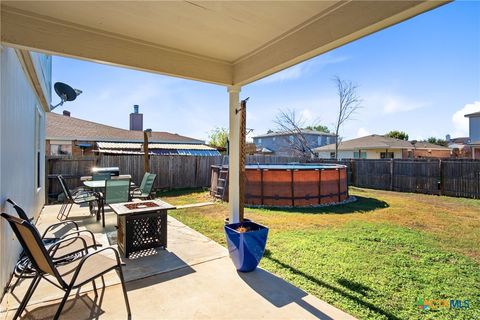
pixel 440 165
pixel 391 174
pixel 352 173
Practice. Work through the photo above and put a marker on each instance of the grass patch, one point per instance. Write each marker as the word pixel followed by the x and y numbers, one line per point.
pixel 179 197
pixel 373 258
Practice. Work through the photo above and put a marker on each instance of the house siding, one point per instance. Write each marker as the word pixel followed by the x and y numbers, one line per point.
pixel 19 137
pixel 474 128
pixel 349 154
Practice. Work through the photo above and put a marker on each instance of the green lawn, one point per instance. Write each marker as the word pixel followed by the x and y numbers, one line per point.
pixel 373 258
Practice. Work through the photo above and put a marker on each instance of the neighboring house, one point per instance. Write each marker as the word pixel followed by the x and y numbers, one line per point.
pixel 381 147
pixel 474 133
pixel 25 99
pixel 460 146
pixel 67 136
pixel 280 143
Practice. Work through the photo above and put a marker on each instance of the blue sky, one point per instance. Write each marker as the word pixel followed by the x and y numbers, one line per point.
pixel 420 76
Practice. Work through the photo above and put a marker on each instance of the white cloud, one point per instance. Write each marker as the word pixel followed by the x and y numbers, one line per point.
pixel 362 132
pixel 395 104
pixel 297 71
pixel 460 123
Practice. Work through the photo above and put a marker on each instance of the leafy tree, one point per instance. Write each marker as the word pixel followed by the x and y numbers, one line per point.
pixel 438 141
pixel 269 131
pixel 318 128
pixel 402 135
pixel 218 137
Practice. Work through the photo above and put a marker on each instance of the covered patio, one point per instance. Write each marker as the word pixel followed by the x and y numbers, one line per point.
pixel 226 43
pixel 186 281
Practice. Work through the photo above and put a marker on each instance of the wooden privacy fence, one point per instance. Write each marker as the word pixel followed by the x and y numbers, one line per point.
pixel 173 172
pixel 458 178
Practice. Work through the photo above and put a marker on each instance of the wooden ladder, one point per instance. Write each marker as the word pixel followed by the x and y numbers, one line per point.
pixel 222 184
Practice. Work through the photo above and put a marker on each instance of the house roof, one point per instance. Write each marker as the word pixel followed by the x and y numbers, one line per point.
pixel 376 141
pixel 60 127
pixel 276 134
pixel 223 42
pixel 459 140
pixel 473 115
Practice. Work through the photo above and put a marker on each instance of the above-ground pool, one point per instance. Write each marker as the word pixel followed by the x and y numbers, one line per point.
pixel 291 184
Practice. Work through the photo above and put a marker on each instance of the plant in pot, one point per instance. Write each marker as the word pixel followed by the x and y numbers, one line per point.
pixel 246 244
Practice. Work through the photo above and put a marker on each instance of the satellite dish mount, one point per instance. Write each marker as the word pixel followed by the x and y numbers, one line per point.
pixel 65 92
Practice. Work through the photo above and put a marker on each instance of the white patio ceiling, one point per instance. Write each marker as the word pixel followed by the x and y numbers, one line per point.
pixel 228 43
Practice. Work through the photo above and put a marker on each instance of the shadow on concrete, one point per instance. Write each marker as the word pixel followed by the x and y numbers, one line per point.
pixel 80 306
pixel 159 278
pixel 362 205
pixel 340 291
pixel 160 262
pixel 279 292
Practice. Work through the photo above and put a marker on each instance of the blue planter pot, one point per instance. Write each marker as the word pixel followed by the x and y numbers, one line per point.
pixel 247 248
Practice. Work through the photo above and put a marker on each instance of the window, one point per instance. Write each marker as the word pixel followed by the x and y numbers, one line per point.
pixel 259 141
pixel 60 149
pixel 291 139
pixel 386 155
pixel 332 155
pixel 38 148
pixel 362 155
pixel 319 141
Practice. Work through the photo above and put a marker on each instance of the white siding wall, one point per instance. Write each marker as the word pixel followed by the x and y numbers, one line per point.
pixel 371 154
pixel 18 109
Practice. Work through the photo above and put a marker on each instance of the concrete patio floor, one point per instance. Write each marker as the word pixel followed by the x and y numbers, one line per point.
pixel 192 279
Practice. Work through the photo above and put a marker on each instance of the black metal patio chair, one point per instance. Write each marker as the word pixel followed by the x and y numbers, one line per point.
pixel 81 197
pixel 53 233
pixel 65 277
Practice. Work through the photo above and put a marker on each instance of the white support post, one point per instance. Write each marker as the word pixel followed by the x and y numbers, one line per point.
pixel 234 156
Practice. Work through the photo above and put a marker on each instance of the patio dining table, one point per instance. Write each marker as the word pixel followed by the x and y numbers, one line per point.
pixel 122 176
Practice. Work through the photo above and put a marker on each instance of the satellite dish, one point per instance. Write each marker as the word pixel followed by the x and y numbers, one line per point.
pixel 65 92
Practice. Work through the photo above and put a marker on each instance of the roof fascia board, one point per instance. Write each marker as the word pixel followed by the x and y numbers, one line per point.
pixel 29 31
pixel 28 66
pixel 329 31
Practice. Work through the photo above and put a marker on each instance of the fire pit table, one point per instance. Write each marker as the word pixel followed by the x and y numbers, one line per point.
pixel 141 225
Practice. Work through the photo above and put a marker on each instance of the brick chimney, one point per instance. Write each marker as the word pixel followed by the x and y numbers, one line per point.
pixel 66 113
pixel 136 119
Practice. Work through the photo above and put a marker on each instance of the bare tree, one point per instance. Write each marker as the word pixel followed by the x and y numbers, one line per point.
pixel 349 102
pixel 288 122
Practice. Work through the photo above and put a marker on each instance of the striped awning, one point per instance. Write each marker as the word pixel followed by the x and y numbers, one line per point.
pixel 157 149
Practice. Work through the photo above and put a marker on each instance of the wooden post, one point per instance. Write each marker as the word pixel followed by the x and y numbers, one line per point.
pixel 440 165
pixel 146 160
pixel 391 174
pixel 243 142
pixel 352 173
